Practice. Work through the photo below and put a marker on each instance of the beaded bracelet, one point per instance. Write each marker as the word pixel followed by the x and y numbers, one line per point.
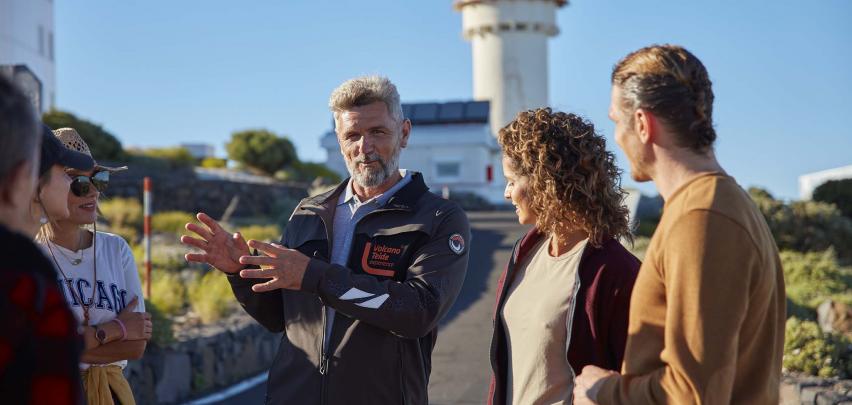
pixel 123 329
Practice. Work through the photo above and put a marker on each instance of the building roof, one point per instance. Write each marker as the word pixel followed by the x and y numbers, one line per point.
pixel 455 112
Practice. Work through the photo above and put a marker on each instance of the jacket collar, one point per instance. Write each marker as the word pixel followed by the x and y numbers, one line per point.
pixel 404 199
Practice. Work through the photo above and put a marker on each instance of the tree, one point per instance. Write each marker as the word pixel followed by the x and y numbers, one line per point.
pixel 261 150
pixel 805 226
pixel 837 192
pixel 104 145
pixel 307 172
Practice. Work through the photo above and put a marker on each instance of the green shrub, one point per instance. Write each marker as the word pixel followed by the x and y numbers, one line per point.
pixel 813 277
pixel 171 222
pixel 837 192
pixel 166 258
pixel 168 292
pixel 261 150
pixel 806 226
pixel 265 233
pixel 103 144
pixel 175 156
pixel 307 172
pixel 162 334
pixel 214 163
pixel 122 212
pixel 639 247
pixel 808 350
pixel 131 235
pixel 210 297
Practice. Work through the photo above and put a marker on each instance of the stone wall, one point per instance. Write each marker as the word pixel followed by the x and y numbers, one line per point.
pixel 178 188
pixel 216 357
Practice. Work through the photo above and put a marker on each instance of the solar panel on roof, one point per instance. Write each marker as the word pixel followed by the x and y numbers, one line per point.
pixel 426 112
pixel 451 112
pixel 477 111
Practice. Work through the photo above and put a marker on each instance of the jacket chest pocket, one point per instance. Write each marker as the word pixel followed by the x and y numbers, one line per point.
pixel 387 253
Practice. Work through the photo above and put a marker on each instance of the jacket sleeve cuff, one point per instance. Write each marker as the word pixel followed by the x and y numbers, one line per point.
pixel 313 275
pixel 608 391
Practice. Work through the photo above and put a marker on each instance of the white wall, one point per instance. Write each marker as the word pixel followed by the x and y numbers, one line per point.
pixel 509 47
pixel 22 41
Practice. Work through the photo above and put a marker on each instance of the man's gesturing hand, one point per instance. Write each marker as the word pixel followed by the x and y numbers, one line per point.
pixel 284 267
pixel 222 250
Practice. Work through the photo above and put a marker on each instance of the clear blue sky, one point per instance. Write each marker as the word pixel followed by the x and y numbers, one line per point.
pixel 158 73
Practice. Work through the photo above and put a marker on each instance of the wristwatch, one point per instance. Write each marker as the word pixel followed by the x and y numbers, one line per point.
pixel 100 334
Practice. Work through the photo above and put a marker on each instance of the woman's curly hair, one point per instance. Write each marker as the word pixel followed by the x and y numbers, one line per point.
pixel 573 181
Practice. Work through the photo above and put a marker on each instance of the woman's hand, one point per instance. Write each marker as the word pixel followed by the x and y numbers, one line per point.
pixel 137 324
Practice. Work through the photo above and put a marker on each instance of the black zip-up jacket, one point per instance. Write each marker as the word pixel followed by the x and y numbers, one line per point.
pixel 405 268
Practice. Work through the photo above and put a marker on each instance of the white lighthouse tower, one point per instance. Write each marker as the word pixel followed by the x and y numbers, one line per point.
pixel 509 41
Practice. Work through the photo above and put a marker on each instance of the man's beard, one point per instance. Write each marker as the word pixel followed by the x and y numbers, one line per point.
pixel 369 176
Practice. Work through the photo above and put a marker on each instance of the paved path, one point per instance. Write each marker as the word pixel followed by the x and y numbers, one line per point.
pixel 460 364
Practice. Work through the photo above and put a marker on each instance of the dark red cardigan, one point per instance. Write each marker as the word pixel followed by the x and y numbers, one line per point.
pixel 599 328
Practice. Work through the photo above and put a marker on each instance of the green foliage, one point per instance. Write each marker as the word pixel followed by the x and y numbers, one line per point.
pixel 104 145
pixel 214 163
pixel 261 150
pixel 175 156
pixel 122 212
pixel 162 334
pixel 813 277
pixel 808 350
pixel 837 192
pixel 211 298
pixel 171 221
pixel 168 292
pixel 266 233
pixel 307 172
pixel 131 235
pixel 639 247
pixel 646 227
pixel 163 258
pixel 805 226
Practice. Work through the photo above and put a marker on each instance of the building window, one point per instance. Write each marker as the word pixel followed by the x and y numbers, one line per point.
pixel 41 40
pixel 50 46
pixel 447 170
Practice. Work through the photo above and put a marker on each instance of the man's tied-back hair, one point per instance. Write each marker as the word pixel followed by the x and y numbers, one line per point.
pixel 672 83
pixel 365 90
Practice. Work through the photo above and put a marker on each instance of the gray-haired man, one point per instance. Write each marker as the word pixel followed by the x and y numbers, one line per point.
pixel 363 273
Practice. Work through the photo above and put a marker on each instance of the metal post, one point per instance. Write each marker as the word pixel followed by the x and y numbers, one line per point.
pixel 147 234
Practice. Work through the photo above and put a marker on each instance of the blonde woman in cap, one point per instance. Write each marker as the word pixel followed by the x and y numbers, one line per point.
pixel 100 281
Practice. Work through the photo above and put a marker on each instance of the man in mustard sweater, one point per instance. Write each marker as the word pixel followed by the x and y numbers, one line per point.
pixel 708 308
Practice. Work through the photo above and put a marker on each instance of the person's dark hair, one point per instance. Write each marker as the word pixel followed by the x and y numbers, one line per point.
pixel 672 83
pixel 19 128
pixel 574 183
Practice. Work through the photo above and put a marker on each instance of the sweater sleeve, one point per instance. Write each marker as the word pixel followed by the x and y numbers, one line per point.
pixel 705 268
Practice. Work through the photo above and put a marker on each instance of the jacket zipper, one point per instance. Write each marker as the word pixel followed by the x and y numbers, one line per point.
pixel 323 366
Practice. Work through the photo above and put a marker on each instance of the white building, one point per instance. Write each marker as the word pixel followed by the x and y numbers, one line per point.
pixel 27 38
pixel 809 182
pixel 509 45
pixel 450 143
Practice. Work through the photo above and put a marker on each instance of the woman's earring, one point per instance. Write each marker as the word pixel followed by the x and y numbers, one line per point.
pixel 43 220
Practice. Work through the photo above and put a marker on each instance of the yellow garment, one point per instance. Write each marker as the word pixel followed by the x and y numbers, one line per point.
pixel 708 309
pixel 100 383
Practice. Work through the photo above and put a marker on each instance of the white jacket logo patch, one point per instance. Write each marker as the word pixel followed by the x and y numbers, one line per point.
pixel 457 243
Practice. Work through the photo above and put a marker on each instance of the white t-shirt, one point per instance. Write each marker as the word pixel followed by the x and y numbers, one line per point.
pixel 117 284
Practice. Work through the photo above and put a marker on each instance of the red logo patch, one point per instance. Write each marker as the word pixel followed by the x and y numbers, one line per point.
pixel 380 260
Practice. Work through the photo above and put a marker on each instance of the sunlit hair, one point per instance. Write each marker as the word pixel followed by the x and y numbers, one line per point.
pixel 672 83
pixel 365 90
pixel 573 181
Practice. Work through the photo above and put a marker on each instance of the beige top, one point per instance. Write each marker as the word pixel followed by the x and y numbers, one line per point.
pixel 536 319
pixel 708 308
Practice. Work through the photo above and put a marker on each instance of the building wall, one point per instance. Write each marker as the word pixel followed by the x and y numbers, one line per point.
pixel 509 48
pixel 27 37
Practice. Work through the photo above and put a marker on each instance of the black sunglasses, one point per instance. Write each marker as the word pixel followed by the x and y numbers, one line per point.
pixel 81 185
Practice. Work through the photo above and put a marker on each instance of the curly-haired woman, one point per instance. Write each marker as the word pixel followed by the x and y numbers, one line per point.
pixel 563 300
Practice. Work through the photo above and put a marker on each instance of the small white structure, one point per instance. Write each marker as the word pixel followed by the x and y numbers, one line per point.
pixel 450 143
pixel 199 150
pixel 509 43
pixel 26 38
pixel 809 182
